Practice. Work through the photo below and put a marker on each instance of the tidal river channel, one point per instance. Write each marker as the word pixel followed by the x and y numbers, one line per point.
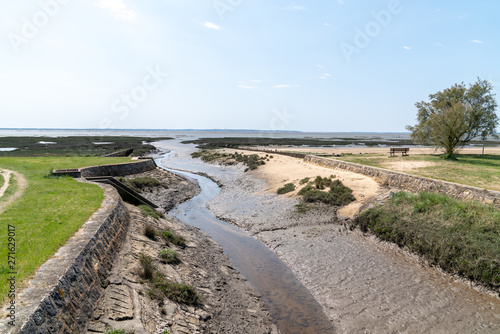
pixel 291 305
pixel 342 281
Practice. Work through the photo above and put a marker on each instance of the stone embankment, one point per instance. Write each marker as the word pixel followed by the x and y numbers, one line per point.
pixel 61 296
pixel 412 183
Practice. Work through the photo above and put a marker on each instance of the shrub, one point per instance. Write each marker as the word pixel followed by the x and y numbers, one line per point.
pixel 148 211
pixel 304 180
pixel 147 266
pixel 149 232
pixel 177 292
pixel 289 187
pixel 169 256
pixel 142 183
pixel 171 237
pixel 115 331
pixel 304 190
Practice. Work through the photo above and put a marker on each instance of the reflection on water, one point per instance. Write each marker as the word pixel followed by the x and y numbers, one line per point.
pixel 291 306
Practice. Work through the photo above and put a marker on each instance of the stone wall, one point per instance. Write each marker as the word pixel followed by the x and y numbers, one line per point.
pixel 61 297
pixel 412 183
pixel 119 169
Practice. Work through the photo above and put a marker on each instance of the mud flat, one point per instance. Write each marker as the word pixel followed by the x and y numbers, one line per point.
pixel 363 285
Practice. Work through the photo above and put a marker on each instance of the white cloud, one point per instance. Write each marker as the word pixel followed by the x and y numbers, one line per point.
pixel 461 17
pixel 406 47
pixel 320 66
pixel 298 8
pixel 211 25
pixel 257 81
pixel 285 86
pixel 117 8
pixel 326 24
pixel 341 2
pixel 477 41
pixel 245 86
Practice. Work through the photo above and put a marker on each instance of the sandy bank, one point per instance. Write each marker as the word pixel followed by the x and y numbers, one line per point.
pixel 282 169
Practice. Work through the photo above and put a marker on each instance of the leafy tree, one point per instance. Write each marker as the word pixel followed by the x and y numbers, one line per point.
pixel 455 116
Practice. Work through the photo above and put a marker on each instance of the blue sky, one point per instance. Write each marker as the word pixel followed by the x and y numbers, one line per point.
pixel 336 65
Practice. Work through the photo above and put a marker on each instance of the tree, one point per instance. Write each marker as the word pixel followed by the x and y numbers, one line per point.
pixel 455 116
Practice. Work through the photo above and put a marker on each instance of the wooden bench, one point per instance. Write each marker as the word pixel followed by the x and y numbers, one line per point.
pixel 403 150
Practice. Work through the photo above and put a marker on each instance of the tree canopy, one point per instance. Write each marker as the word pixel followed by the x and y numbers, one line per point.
pixel 455 116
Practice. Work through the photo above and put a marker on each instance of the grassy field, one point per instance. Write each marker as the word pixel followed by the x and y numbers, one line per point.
pixel 48 213
pixel 2 180
pixel 481 171
pixel 460 237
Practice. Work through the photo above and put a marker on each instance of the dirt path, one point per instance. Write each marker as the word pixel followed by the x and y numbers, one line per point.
pixel 21 186
pixel 6 175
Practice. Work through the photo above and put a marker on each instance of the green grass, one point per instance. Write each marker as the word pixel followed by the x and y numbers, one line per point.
pixel 48 213
pixel 161 287
pixel 477 170
pixel 11 189
pixel 147 211
pixel 169 256
pixel 116 331
pixel 2 180
pixel 142 183
pixel 460 237
pixel 174 238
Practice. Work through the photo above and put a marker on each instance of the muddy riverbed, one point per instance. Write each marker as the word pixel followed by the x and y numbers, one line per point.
pixel 363 285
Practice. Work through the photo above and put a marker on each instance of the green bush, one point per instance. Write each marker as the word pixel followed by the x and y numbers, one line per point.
pixel 289 187
pixel 177 292
pixel 174 238
pixel 169 256
pixel 149 232
pixel 304 180
pixel 148 211
pixel 338 194
pixel 305 189
pixel 115 331
pixel 147 266
pixel 142 183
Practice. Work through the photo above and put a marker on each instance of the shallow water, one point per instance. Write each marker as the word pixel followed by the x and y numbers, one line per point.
pixel 291 305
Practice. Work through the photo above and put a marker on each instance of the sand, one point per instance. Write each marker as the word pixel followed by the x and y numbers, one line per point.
pixel 283 169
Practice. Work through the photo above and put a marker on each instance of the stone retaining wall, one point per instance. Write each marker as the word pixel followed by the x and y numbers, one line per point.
pixel 119 169
pixel 412 183
pixel 61 297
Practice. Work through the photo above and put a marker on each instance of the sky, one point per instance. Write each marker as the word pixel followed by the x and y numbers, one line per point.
pixel 315 66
